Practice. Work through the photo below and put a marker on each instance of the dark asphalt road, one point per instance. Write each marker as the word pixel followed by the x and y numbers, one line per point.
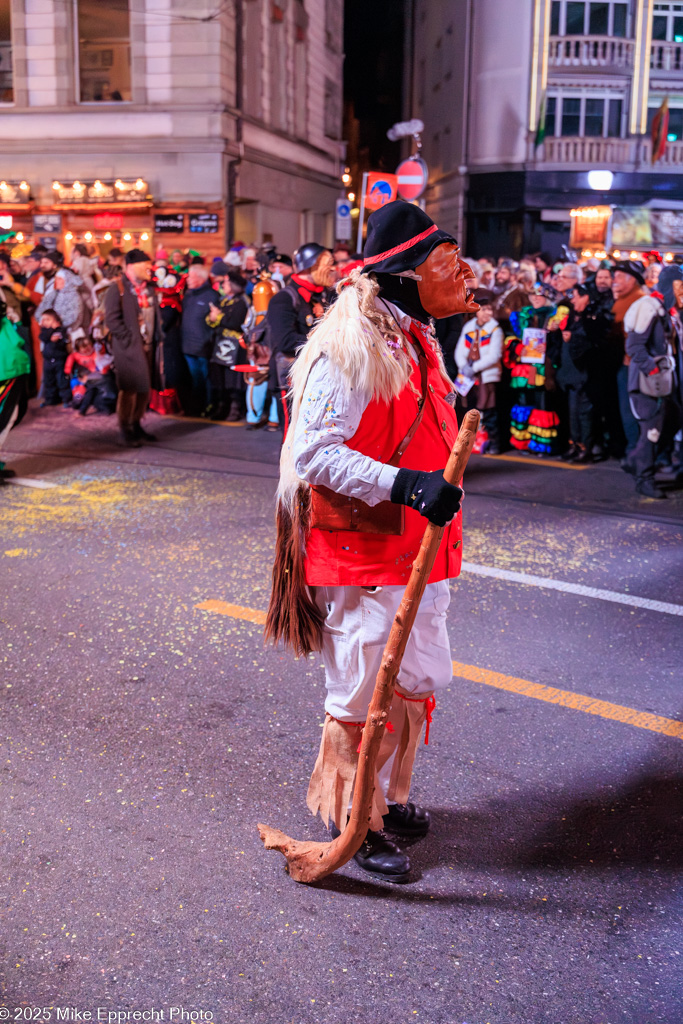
pixel 142 739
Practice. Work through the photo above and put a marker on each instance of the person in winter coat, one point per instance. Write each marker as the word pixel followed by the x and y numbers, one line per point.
pixel 14 369
pixel 292 313
pixel 197 336
pixel 61 292
pixel 226 317
pixel 647 349
pixel 573 354
pixel 124 310
pixel 478 356
pixel 54 342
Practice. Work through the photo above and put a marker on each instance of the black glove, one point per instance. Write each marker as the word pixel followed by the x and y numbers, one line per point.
pixel 428 494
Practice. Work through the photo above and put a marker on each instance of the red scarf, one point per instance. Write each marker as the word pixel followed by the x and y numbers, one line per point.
pixel 305 288
pixel 142 295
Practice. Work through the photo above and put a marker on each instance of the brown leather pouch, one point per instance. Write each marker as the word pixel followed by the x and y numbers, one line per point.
pixel 336 512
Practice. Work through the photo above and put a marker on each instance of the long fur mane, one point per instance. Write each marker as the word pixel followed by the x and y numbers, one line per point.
pixel 361 342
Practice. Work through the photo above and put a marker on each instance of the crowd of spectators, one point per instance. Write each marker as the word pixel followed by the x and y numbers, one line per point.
pixel 554 358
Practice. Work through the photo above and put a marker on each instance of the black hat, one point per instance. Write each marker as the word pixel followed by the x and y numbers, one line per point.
pixel 281 257
pixel 484 296
pixel 219 268
pixel 54 257
pixel 236 279
pixel 307 255
pixel 197 260
pixel 137 256
pixel 38 251
pixel 115 252
pixel 400 237
pixel 633 267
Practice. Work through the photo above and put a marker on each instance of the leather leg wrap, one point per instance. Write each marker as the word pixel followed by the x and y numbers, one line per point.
pixel 331 787
pixel 408 714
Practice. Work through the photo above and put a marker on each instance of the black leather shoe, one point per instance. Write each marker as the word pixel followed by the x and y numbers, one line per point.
pixel 407 820
pixel 649 489
pixel 570 453
pixel 380 857
pixel 583 457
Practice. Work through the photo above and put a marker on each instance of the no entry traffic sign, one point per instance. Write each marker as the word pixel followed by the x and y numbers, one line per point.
pixel 412 177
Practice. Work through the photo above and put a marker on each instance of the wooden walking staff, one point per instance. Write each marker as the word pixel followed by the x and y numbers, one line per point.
pixel 309 861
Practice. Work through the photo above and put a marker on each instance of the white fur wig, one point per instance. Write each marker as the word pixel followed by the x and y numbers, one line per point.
pixel 365 345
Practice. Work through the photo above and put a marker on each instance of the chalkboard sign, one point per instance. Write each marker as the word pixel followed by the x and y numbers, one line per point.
pixel 169 223
pixel 48 223
pixel 204 223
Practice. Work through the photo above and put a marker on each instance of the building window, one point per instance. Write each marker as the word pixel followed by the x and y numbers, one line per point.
pixel 332 110
pixel 6 75
pixel 104 51
pixel 575 15
pixel 614 119
pixel 604 18
pixel 571 116
pixel 594 117
pixel 555 18
pixel 667 23
pixel 584 116
pixel 550 115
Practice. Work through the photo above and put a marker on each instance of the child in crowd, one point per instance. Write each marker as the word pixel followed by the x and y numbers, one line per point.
pixel 54 346
pixel 478 356
pixel 90 365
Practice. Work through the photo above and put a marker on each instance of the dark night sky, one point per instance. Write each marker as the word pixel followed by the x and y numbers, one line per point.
pixel 373 81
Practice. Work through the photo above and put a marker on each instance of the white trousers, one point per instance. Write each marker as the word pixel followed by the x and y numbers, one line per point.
pixel 356 628
pixel 357 625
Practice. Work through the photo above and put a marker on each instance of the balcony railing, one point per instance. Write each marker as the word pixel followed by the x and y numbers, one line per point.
pixel 591 151
pixel 614 154
pixel 590 52
pixel 666 57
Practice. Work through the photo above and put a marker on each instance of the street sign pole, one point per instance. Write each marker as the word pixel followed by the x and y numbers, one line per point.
pixel 361 215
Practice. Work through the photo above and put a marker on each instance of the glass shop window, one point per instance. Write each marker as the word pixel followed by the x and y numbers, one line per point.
pixel 598 19
pixel 678 30
pixel 104 51
pixel 575 16
pixel 6 74
pixel 571 116
pixel 675 132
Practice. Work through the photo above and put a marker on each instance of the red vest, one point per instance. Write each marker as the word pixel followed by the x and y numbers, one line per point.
pixel 353 559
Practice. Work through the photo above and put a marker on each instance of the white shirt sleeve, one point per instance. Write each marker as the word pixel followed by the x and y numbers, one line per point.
pixel 330 414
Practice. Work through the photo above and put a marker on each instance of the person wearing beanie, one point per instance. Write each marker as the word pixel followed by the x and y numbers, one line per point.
pixel 291 314
pixel 478 356
pixel 628 279
pixel 225 317
pixel 130 315
pixel 651 386
pixel 362 466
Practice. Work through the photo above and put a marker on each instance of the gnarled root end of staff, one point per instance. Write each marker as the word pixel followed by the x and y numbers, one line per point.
pixel 309 861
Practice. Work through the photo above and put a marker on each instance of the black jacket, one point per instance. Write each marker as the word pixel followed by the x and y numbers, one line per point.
pixel 290 318
pixel 196 333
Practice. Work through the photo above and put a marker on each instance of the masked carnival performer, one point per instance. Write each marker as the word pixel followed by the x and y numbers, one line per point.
pixel 372 427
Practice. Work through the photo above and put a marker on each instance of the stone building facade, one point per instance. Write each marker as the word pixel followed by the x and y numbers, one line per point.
pixel 484 75
pixel 172 122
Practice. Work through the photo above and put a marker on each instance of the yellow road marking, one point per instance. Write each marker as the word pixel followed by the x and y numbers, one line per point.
pixel 531 461
pixel 565 698
pixel 204 419
pixel 234 611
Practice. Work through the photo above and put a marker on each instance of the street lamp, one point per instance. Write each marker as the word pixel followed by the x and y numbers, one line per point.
pixel 600 181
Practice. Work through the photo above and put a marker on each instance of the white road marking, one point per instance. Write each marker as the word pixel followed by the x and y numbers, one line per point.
pixel 573 588
pixel 26 481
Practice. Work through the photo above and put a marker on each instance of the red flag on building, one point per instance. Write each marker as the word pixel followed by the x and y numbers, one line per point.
pixel 660 129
